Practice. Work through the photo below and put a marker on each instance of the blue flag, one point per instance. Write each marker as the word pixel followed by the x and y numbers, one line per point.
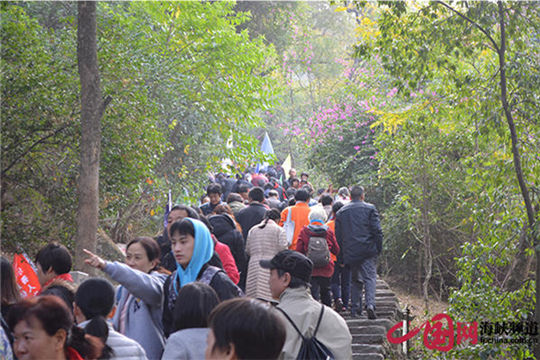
pixel 267 148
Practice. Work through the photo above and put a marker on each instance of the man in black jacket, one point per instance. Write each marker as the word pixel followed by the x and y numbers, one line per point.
pixel 252 215
pixel 359 235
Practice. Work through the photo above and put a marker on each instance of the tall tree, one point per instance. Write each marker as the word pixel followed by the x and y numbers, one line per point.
pixel 92 107
pixel 481 55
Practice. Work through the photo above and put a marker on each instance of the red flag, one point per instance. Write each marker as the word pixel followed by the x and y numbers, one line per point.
pixel 25 275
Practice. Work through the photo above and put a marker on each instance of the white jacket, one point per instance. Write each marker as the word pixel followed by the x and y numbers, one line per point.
pixel 124 348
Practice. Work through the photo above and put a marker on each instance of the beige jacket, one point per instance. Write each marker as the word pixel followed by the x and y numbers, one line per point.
pixel 262 244
pixel 304 311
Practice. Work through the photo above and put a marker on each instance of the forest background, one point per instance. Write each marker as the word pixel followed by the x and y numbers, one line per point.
pixel 404 98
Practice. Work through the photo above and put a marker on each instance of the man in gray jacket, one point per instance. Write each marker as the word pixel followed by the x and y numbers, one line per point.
pixel 94 299
pixel 290 272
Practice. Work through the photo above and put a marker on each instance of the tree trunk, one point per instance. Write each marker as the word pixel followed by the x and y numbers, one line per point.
pixel 426 236
pixel 92 107
pixel 531 216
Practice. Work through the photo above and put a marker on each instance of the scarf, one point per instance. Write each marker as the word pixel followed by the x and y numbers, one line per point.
pixel 72 354
pixel 203 249
pixel 65 277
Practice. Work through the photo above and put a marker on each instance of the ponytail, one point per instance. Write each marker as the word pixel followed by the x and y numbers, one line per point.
pixel 262 226
pixel 99 328
pixel 272 214
pixel 87 346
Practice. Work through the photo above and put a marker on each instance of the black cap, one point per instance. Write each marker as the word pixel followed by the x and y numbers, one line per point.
pixel 293 262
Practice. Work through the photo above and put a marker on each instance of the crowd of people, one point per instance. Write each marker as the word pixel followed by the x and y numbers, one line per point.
pixel 264 264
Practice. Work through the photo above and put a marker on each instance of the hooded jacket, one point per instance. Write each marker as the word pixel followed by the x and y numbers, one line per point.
pixel 226 232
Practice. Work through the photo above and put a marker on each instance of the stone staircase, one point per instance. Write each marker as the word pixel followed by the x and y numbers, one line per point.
pixel 369 336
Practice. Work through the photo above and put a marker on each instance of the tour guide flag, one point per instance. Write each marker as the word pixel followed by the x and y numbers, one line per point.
pixel 168 208
pixel 25 274
pixel 266 147
pixel 287 165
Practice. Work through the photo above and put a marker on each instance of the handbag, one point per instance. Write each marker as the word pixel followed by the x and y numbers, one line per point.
pixel 288 225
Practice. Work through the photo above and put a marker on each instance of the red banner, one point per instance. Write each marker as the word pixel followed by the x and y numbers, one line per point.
pixel 25 275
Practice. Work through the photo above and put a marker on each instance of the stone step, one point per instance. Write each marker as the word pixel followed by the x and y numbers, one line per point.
pixel 369 356
pixel 386 300
pixel 384 293
pixel 370 329
pixel 378 309
pixel 390 315
pixel 368 338
pixel 383 303
pixel 367 349
pixel 354 324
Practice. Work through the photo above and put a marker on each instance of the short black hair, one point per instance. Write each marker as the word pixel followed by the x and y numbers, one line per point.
pixel 234 197
pixel 336 206
pixel 301 195
pixel 290 192
pixel 251 326
pixel 194 304
pixel 256 194
pixel 64 293
pixel 356 192
pixel 150 246
pixel 243 188
pixel 308 188
pixel 56 256
pixel 295 281
pixel 184 227
pixel 188 209
pixel 326 199
pixel 95 297
pixel 214 188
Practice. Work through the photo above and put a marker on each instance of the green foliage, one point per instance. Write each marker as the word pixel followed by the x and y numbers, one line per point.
pixel 39 122
pixel 182 83
pixel 429 197
pixel 311 68
pixel 446 72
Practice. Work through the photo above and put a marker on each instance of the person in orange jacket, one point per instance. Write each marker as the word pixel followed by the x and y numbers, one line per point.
pixel 299 214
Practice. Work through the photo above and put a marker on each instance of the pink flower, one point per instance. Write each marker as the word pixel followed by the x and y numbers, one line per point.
pixel 357 147
pixel 392 92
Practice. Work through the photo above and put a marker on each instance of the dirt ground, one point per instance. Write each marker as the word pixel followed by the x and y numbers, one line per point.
pixel 415 302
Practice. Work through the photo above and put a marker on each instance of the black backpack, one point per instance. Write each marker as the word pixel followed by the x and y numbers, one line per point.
pixel 311 348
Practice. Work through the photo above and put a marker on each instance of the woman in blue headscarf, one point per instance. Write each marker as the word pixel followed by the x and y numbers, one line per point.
pixel 192 247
